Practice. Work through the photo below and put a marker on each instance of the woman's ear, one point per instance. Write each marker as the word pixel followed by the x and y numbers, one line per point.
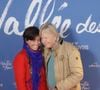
pixel 41 45
pixel 27 42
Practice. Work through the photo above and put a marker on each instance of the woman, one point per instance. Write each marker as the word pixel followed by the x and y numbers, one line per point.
pixel 62 60
pixel 28 64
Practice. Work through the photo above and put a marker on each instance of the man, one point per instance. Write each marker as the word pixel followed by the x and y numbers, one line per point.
pixel 62 60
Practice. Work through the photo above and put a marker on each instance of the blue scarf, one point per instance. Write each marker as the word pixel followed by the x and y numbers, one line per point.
pixel 36 64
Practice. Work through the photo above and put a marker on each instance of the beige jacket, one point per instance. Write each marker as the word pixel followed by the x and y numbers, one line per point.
pixel 68 66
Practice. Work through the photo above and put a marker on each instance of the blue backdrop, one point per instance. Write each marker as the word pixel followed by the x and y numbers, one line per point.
pixel 77 21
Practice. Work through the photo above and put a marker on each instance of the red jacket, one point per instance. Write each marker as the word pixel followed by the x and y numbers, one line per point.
pixel 23 74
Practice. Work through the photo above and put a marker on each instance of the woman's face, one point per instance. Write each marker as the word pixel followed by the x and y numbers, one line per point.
pixel 48 39
pixel 34 44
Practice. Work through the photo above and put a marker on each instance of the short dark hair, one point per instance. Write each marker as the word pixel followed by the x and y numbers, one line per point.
pixel 30 33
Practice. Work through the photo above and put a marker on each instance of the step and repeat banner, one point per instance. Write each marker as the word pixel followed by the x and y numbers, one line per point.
pixel 77 21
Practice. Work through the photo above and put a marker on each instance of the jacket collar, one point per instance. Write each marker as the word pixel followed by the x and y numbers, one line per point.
pixel 55 49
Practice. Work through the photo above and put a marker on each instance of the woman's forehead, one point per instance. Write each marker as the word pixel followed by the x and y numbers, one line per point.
pixel 47 32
